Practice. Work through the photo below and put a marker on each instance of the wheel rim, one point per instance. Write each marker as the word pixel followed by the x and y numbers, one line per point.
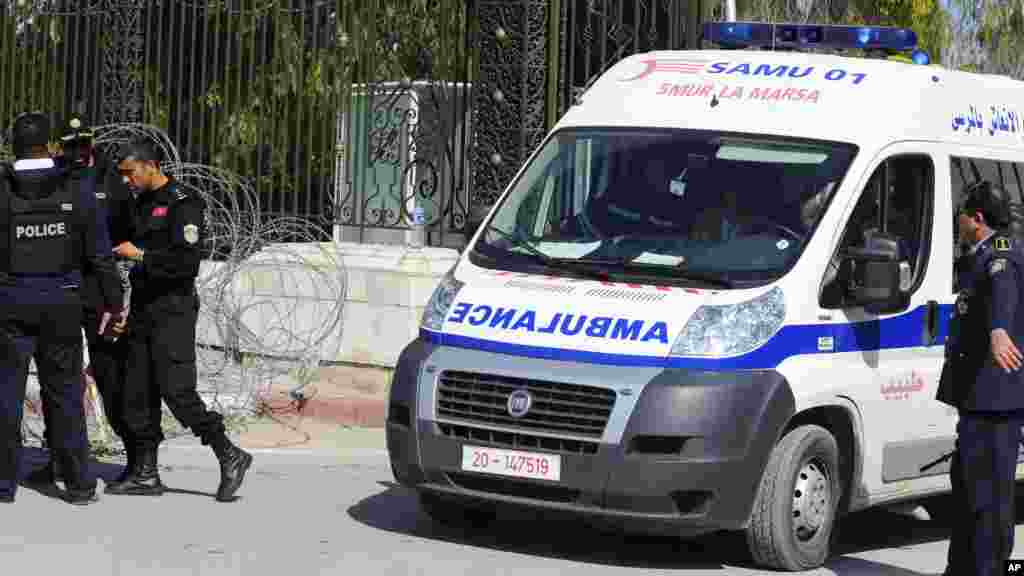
pixel 812 495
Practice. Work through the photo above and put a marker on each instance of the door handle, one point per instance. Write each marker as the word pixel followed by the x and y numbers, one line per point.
pixel 931 323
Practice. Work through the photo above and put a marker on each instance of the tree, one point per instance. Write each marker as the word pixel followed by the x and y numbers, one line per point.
pixel 989 37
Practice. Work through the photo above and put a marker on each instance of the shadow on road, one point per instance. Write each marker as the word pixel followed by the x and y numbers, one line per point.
pixel 395 510
pixel 34 458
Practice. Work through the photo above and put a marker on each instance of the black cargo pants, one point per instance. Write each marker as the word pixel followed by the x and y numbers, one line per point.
pixel 107 361
pixel 160 365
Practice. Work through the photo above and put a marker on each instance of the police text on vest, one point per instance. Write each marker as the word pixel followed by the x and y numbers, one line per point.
pixel 40 230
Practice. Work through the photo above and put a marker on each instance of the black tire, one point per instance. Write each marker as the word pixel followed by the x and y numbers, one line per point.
pixel 455 513
pixel 796 506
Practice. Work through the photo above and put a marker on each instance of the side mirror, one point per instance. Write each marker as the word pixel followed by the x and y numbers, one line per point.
pixel 874 276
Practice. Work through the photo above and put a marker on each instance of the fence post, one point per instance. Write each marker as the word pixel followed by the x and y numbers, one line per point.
pixel 123 60
pixel 509 106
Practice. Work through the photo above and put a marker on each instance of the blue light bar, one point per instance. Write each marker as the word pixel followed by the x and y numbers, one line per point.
pixel 797 36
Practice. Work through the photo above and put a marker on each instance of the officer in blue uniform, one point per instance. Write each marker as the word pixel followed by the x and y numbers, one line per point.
pixel 95 173
pixel 982 378
pixel 49 237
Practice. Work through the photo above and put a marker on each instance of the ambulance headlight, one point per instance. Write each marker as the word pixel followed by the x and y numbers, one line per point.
pixel 732 329
pixel 441 302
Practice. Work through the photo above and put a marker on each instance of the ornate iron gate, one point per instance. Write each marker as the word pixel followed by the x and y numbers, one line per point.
pixel 363 115
pixel 406 124
pixel 252 86
pixel 537 56
pixel 598 33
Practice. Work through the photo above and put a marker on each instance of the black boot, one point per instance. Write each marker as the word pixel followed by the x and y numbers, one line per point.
pixel 143 478
pixel 233 463
pixel 45 476
pixel 130 452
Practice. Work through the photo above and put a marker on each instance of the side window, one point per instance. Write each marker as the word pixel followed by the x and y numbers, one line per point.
pixel 1007 176
pixel 1012 179
pixel 897 200
pixel 965 172
pixel 908 209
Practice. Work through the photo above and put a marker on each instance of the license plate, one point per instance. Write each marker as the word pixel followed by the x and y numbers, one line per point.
pixel 533 465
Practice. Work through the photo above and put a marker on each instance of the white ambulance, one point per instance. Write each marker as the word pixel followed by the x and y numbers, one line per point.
pixel 715 298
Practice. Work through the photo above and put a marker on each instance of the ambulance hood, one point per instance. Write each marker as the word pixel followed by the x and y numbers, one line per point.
pixel 588 320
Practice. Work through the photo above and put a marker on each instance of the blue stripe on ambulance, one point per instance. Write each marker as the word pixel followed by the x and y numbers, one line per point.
pixel 906 330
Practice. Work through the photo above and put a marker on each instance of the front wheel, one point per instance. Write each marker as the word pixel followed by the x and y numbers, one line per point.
pixel 797 502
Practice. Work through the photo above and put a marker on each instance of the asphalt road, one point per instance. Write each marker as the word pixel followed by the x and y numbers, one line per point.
pixel 331 508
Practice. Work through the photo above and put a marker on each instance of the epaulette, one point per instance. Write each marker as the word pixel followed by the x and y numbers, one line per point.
pixel 1002 244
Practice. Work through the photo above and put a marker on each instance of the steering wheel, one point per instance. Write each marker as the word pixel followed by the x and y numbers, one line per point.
pixel 788 232
pixel 785 230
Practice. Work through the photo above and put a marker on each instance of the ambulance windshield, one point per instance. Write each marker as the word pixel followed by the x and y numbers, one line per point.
pixel 686 207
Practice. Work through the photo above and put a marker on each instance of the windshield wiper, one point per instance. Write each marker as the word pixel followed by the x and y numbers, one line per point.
pixel 599 268
pixel 713 278
pixel 543 258
pixel 520 242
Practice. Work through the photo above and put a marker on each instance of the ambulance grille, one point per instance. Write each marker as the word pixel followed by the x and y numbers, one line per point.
pixel 555 407
pixel 517 440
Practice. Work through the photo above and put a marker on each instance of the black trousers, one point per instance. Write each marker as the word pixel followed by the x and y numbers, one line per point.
pixel 161 366
pixel 107 361
pixel 46 327
pixel 983 475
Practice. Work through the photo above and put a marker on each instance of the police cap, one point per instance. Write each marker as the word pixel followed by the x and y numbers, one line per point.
pixel 990 201
pixel 76 126
pixel 30 130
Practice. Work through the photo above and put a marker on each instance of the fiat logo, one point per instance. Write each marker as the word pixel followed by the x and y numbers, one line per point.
pixel 519 403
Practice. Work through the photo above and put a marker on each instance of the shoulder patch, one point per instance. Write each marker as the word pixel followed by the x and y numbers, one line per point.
pixel 1002 244
pixel 996 266
pixel 191 232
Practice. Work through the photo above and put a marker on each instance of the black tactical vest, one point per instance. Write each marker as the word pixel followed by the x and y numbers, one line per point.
pixel 38 214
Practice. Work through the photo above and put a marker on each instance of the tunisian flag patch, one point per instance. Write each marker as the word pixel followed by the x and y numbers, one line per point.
pixel 160 211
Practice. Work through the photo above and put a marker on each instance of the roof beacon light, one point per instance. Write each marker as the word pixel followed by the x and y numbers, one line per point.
pixel 797 36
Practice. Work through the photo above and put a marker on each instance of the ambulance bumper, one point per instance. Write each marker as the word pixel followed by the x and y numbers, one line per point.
pixel 682 452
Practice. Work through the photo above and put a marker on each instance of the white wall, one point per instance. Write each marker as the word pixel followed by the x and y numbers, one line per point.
pixel 291 289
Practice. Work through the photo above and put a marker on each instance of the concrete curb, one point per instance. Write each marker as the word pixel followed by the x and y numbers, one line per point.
pixel 343 395
pixel 346 395
pixel 357 412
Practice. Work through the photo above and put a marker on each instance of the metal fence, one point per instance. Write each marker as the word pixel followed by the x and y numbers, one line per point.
pixel 356 114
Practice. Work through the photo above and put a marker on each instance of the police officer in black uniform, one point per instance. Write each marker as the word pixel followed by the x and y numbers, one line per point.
pixel 169 228
pixel 96 173
pixel 982 378
pixel 49 237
